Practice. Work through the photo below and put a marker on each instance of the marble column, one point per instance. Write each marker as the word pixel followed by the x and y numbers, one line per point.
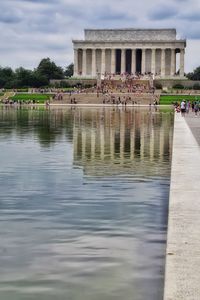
pixel 173 62
pixel 153 61
pixel 84 63
pixel 133 61
pixel 123 60
pixel 94 62
pixel 103 61
pixel 163 62
pixel 143 61
pixel 113 61
pixel 182 53
pixel 75 62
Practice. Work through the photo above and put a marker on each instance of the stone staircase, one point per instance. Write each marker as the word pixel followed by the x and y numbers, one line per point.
pixel 91 98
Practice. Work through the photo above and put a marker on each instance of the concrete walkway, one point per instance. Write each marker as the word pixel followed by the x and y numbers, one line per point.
pixel 194 124
pixel 182 274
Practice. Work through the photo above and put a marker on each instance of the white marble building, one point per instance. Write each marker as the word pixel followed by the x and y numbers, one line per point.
pixel 119 51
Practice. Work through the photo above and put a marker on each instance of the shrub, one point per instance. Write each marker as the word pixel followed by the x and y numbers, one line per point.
pixel 158 86
pixel 87 86
pixel 196 86
pixel 64 84
pixel 178 86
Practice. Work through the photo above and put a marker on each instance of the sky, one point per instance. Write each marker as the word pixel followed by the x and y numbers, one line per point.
pixel 34 29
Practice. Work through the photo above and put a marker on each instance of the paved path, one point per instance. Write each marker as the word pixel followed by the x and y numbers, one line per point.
pixel 182 274
pixel 194 124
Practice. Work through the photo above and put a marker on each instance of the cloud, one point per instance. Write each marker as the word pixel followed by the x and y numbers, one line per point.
pixel 33 29
pixel 10 14
pixel 192 17
pixel 163 12
pixel 7 18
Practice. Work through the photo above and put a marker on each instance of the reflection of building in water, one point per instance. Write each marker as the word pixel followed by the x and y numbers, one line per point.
pixel 110 140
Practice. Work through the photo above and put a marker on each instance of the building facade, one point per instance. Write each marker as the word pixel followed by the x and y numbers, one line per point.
pixel 119 51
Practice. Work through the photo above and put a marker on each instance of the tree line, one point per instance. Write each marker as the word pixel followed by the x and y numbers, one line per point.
pixel 39 77
pixel 46 70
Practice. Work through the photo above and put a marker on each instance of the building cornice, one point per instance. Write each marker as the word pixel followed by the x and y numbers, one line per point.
pixel 131 29
pixel 129 41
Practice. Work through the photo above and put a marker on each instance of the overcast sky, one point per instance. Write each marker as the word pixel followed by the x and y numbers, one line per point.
pixel 33 29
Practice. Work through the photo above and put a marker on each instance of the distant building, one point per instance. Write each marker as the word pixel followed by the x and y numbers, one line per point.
pixel 118 51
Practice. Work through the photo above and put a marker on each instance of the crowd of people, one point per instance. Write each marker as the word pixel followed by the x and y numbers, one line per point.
pixel 127 86
pixel 124 76
pixel 185 106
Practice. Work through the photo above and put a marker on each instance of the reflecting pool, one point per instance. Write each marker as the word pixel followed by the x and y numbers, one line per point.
pixel 83 203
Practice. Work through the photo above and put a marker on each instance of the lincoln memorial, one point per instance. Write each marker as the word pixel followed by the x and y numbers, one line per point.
pixel 132 51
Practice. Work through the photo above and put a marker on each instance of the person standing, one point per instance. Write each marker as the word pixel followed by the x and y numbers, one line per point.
pixel 196 108
pixel 183 108
pixel 187 107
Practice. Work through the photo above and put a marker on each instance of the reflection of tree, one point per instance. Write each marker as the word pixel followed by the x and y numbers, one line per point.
pixel 49 126
pixel 106 135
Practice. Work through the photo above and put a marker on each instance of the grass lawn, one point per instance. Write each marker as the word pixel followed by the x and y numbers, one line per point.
pixel 69 89
pixel 41 98
pixel 170 99
pixel 1 94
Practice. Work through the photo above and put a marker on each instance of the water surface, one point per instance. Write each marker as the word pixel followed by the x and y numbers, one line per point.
pixel 83 203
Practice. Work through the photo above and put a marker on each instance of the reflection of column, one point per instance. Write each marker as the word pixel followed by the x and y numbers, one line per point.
pixel 75 62
pixel 132 142
pixel 113 61
pixel 162 140
pixel 102 141
pixel 151 146
pixel 153 61
pixel 143 61
pixel 163 62
pixel 84 138
pixel 122 136
pixel 170 142
pixel 123 60
pixel 103 60
pixel 142 140
pixel 84 63
pixel 94 62
pixel 133 61
pixel 93 137
pixel 75 142
pixel 112 143
pixel 182 53
pixel 173 62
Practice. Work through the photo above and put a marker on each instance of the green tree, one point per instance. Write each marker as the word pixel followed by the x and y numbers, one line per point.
pixel 195 75
pixel 6 75
pixel 23 77
pixel 39 80
pixel 49 69
pixel 69 71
